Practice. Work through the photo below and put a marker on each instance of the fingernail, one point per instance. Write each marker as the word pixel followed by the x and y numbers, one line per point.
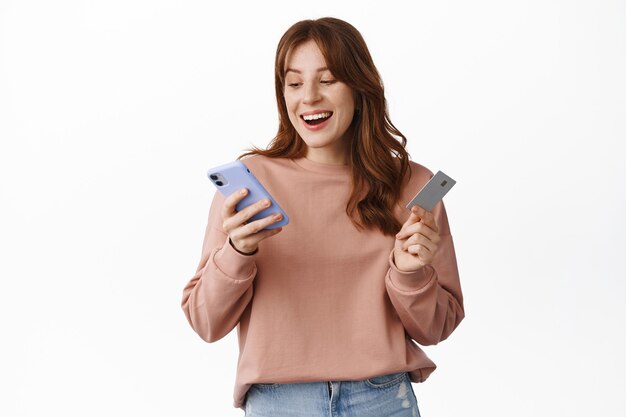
pixel 244 191
pixel 277 216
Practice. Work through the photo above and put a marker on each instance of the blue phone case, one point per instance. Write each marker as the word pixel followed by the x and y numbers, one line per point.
pixel 234 176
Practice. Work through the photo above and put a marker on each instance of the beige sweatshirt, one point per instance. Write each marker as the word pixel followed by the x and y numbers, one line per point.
pixel 321 300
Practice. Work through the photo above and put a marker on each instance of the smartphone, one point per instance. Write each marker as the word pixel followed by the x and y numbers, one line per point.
pixel 234 176
pixel 432 192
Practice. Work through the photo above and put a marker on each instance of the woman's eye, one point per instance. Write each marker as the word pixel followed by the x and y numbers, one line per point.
pixel 294 85
pixel 328 82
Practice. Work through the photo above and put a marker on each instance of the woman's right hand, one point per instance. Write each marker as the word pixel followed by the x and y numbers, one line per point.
pixel 245 237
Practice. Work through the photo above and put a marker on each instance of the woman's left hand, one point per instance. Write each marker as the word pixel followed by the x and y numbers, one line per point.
pixel 417 242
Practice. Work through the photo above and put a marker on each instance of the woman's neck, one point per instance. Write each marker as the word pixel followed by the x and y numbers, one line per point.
pixel 328 156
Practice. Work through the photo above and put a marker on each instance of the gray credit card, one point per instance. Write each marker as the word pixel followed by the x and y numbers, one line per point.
pixel 432 192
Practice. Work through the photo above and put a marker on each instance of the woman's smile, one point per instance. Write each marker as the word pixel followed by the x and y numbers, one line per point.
pixel 316 120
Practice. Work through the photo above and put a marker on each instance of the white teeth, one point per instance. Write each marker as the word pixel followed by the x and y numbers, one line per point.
pixel 316 116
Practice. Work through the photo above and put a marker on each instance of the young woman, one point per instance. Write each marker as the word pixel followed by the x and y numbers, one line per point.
pixel 331 308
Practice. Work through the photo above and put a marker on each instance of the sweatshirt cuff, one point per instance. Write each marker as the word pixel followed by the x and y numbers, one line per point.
pixel 235 264
pixel 410 281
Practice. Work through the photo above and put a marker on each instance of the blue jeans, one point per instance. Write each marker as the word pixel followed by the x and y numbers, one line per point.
pixel 383 396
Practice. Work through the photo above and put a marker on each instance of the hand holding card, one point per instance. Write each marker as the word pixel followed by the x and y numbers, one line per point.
pixel 418 240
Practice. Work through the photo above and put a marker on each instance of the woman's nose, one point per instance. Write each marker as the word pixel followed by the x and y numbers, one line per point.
pixel 311 93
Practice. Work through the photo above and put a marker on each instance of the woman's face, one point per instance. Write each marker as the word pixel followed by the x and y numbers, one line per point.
pixel 320 107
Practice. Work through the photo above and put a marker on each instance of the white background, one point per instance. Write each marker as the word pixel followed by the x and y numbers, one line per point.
pixel 111 113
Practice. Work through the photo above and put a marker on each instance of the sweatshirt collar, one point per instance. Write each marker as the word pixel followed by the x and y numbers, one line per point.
pixel 321 167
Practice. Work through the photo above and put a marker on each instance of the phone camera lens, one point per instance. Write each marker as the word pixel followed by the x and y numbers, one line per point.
pixel 213 177
pixel 220 183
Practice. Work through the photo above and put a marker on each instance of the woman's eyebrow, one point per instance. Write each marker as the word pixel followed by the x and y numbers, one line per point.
pixel 321 69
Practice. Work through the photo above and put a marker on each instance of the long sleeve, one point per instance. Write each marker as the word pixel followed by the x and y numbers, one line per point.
pixel 220 290
pixel 429 301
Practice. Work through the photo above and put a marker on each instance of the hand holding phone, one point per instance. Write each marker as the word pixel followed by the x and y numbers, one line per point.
pixel 251 216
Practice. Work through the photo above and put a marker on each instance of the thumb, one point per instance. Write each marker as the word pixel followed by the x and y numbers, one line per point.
pixel 413 218
pixel 425 216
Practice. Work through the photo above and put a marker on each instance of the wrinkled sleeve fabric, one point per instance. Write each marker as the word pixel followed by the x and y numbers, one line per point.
pixel 220 290
pixel 429 300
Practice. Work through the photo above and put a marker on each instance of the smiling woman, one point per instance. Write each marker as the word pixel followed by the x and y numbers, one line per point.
pixel 331 309
pixel 326 60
